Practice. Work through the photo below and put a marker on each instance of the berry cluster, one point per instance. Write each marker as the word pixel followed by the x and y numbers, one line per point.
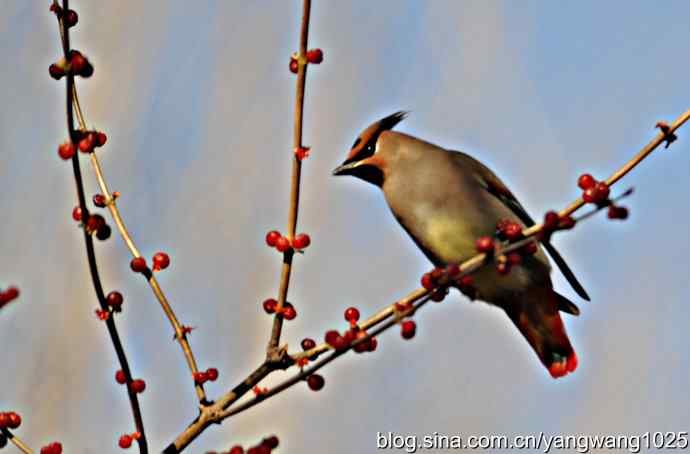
pixel 314 56
pixel 283 244
pixel 267 445
pixel 438 280
pixel 93 223
pixel 77 65
pixel 10 420
pixel 597 192
pixel 161 261
pixel 200 378
pixel 288 310
pixel 7 295
pixel 126 440
pixel 138 385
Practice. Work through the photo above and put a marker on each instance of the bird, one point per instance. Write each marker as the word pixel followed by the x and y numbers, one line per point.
pixel 445 200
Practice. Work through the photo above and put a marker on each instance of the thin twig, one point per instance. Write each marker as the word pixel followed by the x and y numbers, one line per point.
pixel 304 373
pixel 295 182
pixel 180 335
pixel 88 240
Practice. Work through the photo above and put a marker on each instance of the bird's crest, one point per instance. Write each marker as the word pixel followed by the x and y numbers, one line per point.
pixel 365 144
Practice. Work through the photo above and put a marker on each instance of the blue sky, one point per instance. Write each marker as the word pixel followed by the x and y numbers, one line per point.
pixel 197 103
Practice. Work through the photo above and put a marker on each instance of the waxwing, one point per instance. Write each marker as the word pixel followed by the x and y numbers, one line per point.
pixel 445 200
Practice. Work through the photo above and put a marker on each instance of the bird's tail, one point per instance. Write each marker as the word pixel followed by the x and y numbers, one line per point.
pixel 536 314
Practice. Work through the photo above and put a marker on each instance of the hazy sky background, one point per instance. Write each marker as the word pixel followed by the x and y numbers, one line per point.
pixel 197 101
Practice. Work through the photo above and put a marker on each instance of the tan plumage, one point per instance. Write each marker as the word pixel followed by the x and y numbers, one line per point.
pixel 445 200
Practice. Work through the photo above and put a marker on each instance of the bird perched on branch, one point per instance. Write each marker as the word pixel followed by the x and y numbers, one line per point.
pixel 445 200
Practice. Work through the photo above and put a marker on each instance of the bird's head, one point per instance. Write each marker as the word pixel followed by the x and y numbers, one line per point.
pixel 364 160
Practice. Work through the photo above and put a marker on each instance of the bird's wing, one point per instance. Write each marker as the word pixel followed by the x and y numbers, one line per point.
pixel 499 190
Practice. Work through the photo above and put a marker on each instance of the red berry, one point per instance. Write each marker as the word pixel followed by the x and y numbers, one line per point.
pixel 53 448
pixel 87 143
pixel 200 377
pixel 315 382
pixel 13 420
pixel 270 442
pixel 138 264
pixel 71 18
pixel 66 150
pixel 78 62
pixel 501 227
pixel 114 299
pixel 76 213
pixel 138 385
pixel 452 270
pixel 408 329
pixel 485 244
pixel 125 441
pixel 427 282
pixel 294 66
pixel 362 346
pixel 272 238
pixel 101 139
pixel 99 200
pixel 590 195
pixel 529 248
pixel 270 305
pixel 586 181
pixel 102 315
pixel 282 244
pixel 603 191
pixel 438 295
pixel 160 261
pixel 437 274
pixel 9 294
pixel 466 281
pixel 551 220
pixel 514 258
pixel 315 56
pixel 260 449
pixel 616 212
pixel 289 312
pixel 103 232
pixel 120 377
pixel 351 314
pixel 94 222
pixel 55 71
pixel 513 231
pixel 4 420
pixel 308 344
pixel 566 223
pixel 301 241
pixel 331 337
pixel 503 267
pixel 212 373
pixel 373 343
pixel 236 450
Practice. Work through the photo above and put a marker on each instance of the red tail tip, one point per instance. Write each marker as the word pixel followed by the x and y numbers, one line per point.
pixel 558 369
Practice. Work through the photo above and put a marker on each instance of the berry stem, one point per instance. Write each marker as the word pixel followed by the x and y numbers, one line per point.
pixel 88 239
pixel 294 184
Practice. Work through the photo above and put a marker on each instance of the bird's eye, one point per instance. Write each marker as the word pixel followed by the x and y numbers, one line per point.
pixel 359 139
pixel 370 148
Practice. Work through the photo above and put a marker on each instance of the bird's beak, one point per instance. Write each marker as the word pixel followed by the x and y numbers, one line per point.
pixel 345 169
